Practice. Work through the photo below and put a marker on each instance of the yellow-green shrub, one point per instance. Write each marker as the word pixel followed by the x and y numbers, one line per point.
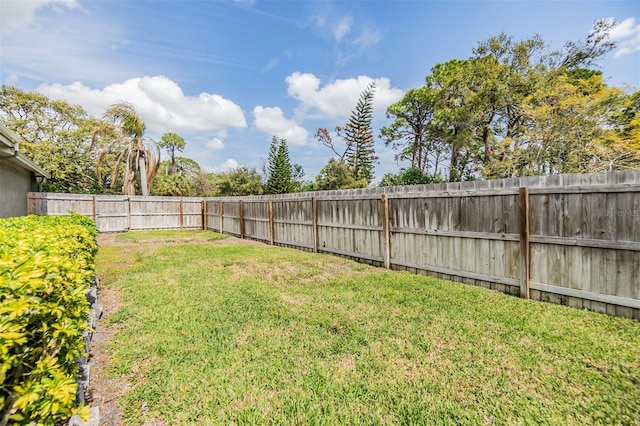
pixel 46 266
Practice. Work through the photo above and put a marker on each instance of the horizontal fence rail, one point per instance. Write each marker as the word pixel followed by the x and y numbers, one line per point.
pixel 569 239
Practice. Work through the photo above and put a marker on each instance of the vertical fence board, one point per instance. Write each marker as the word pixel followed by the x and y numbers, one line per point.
pixel 386 241
pixel 314 214
pixel 525 255
pixel 271 229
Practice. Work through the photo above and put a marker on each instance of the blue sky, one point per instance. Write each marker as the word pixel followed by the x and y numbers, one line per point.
pixel 227 75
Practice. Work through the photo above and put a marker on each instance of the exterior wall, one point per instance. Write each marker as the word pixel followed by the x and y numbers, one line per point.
pixel 15 183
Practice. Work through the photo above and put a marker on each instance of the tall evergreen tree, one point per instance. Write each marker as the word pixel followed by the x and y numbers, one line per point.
pixel 280 179
pixel 360 154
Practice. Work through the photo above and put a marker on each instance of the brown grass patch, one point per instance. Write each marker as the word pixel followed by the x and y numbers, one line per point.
pixel 347 363
pixel 297 300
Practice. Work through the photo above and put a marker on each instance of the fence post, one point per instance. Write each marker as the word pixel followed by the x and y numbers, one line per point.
pixel 93 208
pixel 203 210
pixel 314 212
pixel 271 236
pixel 386 241
pixel 221 209
pixel 525 254
pixel 241 220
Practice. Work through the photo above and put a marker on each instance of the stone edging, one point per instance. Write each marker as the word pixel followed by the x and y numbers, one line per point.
pixel 84 372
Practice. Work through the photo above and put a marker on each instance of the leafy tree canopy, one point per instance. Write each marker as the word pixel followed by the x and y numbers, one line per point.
pixel 411 176
pixel 172 143
pixel 237 182
pixel 337 175
pixel 187 181
pixel 515 108
pixel 57 137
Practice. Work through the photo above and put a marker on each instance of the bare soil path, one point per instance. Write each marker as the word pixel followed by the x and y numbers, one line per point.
pixel 104 389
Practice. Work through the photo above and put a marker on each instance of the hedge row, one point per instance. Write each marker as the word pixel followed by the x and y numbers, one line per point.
pixel 46 266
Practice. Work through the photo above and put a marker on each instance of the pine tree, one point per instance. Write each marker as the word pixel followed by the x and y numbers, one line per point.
pixel 284 168
pixel 360 153
pixel 279 167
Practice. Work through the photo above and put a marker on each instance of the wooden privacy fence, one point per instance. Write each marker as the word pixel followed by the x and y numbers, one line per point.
pixel 118 213
pixel 569 239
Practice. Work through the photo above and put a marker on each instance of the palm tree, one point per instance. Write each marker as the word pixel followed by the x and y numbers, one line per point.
pixel 137 153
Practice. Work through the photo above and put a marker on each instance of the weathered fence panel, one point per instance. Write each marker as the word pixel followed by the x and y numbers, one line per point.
pixel 112 213
pixel 62 204
pixel 471 237
pixel 154 213
pixel 212 215
pixel 570 239
pixel 118 213
pixel 37 203
pixel 585 249
pixel 191 213
pixel 230 217
pixel 256 220
pixel 293 223
pixel 351 227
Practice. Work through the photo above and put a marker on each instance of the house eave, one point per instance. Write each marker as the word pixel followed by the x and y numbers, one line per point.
pixel 10 151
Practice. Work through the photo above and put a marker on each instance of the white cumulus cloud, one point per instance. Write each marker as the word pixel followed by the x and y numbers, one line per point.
pixel 159 101
pixel 338 98
pixel 215 144
pixel 273 122
pixel 225 167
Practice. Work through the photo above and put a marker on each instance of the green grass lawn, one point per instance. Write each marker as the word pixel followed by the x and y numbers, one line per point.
pixel 250 334
pixel 166 236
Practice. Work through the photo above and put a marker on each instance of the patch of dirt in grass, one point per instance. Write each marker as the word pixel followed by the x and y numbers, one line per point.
pixel 260 399
pixel 105 391
pixel 408 369
pixel 233 241
pixel 298 300
pixel 107 240
pixel 347 363
pixel 155 421
pixel 307 273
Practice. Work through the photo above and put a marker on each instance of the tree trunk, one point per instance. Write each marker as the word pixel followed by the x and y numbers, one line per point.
pixel 454 173
pixel 414 151
pixel 143 175
pixel 173 161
